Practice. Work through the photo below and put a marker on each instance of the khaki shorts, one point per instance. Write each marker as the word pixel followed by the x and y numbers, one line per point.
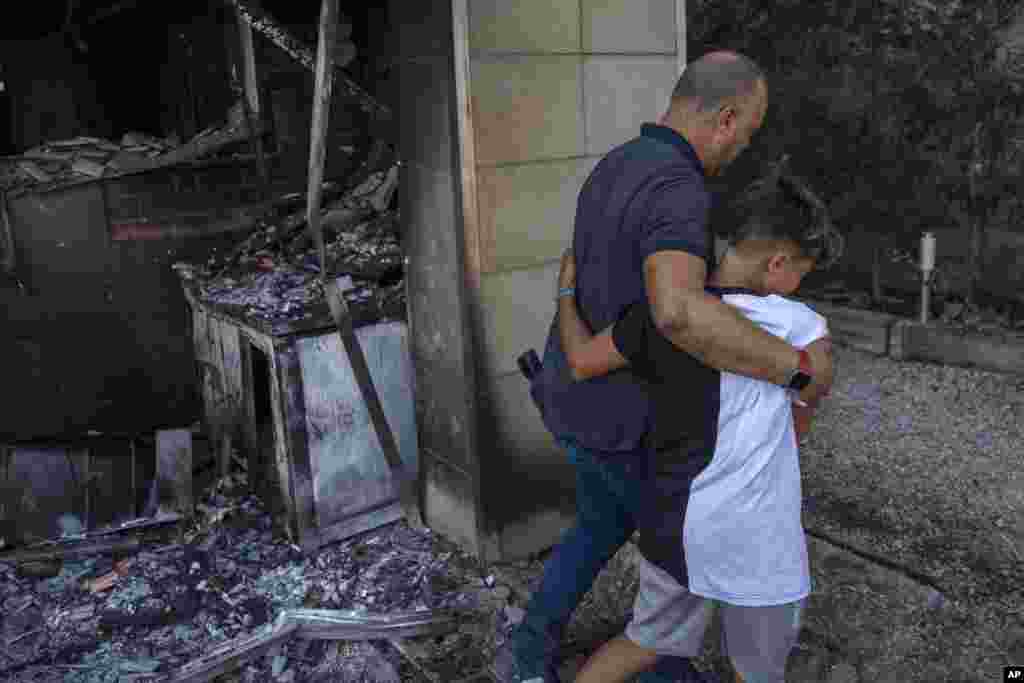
pixel 670 620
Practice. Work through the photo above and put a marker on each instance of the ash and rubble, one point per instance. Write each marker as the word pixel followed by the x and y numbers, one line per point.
pixel 273 275
pixel 228 572
pixel 62 162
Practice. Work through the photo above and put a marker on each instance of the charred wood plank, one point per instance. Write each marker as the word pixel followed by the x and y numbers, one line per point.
pixel 324 79
pixel 405 481
pixel 310 624
pixel 174 469
pixel 71 551
pixel 293 448
pixel 327 624
pixel 202 146
pixel 280 36
pixel 138 524
pixel 251 98
pixel 111 11
pixel 250 83
pixel 7 257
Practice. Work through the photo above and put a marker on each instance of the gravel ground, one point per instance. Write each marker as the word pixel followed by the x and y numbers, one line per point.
pixel 924 463
pixel 921 465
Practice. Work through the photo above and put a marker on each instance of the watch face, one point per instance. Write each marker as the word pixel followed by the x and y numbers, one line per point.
pixel 800 381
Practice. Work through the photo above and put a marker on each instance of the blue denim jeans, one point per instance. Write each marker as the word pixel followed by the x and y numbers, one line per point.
pixel 608 499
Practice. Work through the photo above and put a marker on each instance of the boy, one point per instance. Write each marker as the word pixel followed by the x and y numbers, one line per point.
pixel 722 525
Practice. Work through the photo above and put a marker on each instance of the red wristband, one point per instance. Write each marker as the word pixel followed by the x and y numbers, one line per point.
pixel 805 363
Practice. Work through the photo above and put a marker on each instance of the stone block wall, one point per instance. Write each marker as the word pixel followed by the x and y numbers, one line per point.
pixel 551 87
pixel 503 109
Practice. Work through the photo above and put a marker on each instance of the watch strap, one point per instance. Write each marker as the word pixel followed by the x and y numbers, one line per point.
pixel 805 363
pixel 803 374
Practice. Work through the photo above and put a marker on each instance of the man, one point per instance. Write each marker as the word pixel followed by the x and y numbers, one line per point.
pixel 641 231
pixel 720 529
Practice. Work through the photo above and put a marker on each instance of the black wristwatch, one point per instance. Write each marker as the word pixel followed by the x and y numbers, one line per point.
pixel 801 377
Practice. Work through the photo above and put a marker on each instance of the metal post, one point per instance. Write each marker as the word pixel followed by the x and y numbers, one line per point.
pixel 925 297
pixel 927 268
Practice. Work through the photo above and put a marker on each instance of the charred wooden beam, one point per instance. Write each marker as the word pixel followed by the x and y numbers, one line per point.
pixel 300 52
pixel 174 469
pixel 72 551
pixel 92 543
pixel 310 624
pixel 141 524
pixel 111 11
pixel 405 480
pixel 330 624
pixel 250 83
pixel 293 455
pixel 251 98
pixel 323 82
pixel 201 146
pixel 7 257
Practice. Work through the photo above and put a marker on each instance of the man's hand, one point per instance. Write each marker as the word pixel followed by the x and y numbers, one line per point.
pixel 707 328
pixel 820 352
pixel 567 276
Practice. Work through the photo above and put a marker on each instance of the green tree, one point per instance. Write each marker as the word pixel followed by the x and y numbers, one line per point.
pixel 976 159
pixel 900 111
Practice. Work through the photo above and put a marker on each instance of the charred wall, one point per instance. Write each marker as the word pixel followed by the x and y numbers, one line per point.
pixel 99 337
pixel 441 337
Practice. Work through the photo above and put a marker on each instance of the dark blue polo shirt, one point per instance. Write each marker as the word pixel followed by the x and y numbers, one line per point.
pixel 645 196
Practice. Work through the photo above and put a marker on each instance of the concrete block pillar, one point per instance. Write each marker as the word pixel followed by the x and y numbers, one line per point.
pixel 505 108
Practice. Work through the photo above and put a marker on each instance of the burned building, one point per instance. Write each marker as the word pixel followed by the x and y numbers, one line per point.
pixel 493 119
pixel 111 175
pixel 163 264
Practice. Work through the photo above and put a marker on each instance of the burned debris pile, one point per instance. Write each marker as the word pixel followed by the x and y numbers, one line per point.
pixel 226 592
pixel 271 280
pixel 55 164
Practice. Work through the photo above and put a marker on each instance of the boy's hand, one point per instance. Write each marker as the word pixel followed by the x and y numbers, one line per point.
pixel 808 399
pixel 567 276
pixel 802 419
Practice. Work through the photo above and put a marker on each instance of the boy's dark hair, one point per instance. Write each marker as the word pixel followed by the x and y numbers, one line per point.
pixel 781 206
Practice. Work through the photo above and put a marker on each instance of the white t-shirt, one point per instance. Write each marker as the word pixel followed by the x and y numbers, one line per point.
pixel 742 535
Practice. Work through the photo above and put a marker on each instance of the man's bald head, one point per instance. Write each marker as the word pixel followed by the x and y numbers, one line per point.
pixel 718 104
pixel 716 79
